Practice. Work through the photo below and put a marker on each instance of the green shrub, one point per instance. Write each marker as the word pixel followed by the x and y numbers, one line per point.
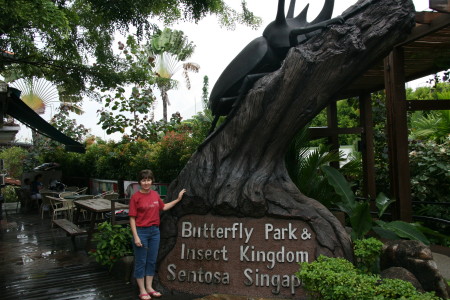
pixel 367 253
pixel 430 180
pixel 9 194
pixel 113 243
pixel 337 279
pixel 14 158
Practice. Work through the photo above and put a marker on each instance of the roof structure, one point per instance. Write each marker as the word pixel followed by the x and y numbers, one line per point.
pixel 426 51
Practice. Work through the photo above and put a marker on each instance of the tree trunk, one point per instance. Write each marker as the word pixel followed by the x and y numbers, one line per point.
pixel 165 101
pixel 240 168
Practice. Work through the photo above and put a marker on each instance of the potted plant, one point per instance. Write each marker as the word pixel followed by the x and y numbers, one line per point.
pixel 10 198
pixel 114 249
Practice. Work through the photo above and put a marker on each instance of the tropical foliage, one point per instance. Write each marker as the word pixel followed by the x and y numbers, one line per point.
pixel 171 48
pixel 13 158
pixel 113 243
pixel 70 42
pixel 165 153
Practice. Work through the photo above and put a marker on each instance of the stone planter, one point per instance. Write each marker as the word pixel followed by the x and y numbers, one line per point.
pixel 123 268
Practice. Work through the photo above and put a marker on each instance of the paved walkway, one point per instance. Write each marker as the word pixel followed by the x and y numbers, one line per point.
pixel 443 263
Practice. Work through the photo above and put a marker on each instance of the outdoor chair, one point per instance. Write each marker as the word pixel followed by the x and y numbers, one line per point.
pixel 102 195
pixel 66 194
pixel 71 189
pixel 111 196
pixel 119 216
pixel 64 207
pixel 82 191
pixel 46 203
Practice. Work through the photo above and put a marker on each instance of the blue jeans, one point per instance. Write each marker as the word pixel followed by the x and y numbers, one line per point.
pixel 145 256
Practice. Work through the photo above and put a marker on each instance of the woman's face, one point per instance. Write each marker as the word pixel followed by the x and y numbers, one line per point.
pixel 146 183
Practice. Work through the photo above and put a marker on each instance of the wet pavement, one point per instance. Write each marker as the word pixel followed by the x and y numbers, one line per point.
pixel 41 262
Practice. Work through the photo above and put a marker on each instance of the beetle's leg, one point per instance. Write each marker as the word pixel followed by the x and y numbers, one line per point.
pixel 337 20
pixel 229 103
pixel 226 104
pixel 299 31
pixel 248 83
pixel 213 124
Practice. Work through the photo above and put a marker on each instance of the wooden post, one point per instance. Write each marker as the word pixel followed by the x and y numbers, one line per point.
pixel 332 122
pixel 398 135
pixel 367 149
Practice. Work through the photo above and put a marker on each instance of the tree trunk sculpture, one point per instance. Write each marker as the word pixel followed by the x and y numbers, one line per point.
pixel 240 170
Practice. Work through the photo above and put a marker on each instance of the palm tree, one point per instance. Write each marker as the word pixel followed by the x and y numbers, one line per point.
pixel 170 48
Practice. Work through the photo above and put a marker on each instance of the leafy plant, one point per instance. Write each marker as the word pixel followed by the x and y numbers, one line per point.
pixel 367 253
pixel 113 243
pixel 13 159
pixel 359 212
pixel 430 180
pixel 337 278
pixel 9 193
pixel 304 164
pixel 70 42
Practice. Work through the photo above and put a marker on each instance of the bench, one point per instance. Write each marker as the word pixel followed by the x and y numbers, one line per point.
pixel 69 227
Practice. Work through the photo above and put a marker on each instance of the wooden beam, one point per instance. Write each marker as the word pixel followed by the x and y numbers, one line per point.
pixel 321 132
pixel 440 5
pixel 367 149
pixel 398 135
pixel 436 24
pixel 413 105
pixel 426 17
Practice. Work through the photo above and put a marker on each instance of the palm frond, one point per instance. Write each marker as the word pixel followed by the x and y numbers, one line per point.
pixel 189 67
pixel 37 93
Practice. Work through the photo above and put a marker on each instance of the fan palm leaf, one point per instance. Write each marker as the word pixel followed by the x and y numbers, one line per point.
pixel 37 93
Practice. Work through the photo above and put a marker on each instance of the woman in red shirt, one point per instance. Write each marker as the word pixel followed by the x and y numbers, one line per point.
pixel 145 206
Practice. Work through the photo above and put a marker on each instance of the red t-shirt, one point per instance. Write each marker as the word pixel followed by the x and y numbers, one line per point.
pixel 146 207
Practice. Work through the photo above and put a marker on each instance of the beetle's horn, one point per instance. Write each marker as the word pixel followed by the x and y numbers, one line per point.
pixel 301 17
pixel 326 13
pixel 280 19
pixel 290 13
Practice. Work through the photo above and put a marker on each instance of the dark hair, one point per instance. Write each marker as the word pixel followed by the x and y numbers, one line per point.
pixel 146 174
pixel 37 177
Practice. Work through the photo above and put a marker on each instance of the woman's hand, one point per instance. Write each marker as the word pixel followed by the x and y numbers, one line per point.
pixel 138 242
pixel 181 193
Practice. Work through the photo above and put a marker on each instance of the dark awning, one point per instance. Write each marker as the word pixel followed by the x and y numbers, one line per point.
pixel 17 109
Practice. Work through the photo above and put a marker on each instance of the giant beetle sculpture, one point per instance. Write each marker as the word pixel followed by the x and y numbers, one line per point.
pixel 265 54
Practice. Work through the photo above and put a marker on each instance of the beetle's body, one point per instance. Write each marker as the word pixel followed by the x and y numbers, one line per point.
pixel 247 62
pixel 262 55
pixel 265 54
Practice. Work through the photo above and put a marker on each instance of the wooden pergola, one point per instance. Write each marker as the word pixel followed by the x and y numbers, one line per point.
pixel 426 51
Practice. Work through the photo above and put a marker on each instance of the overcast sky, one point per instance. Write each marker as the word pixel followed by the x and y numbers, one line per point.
pixel 215 48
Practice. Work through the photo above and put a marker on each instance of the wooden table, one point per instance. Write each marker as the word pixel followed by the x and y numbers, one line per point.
pixel 95 207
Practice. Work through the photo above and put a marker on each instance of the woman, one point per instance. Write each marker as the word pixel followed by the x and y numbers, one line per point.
pixel 144 209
